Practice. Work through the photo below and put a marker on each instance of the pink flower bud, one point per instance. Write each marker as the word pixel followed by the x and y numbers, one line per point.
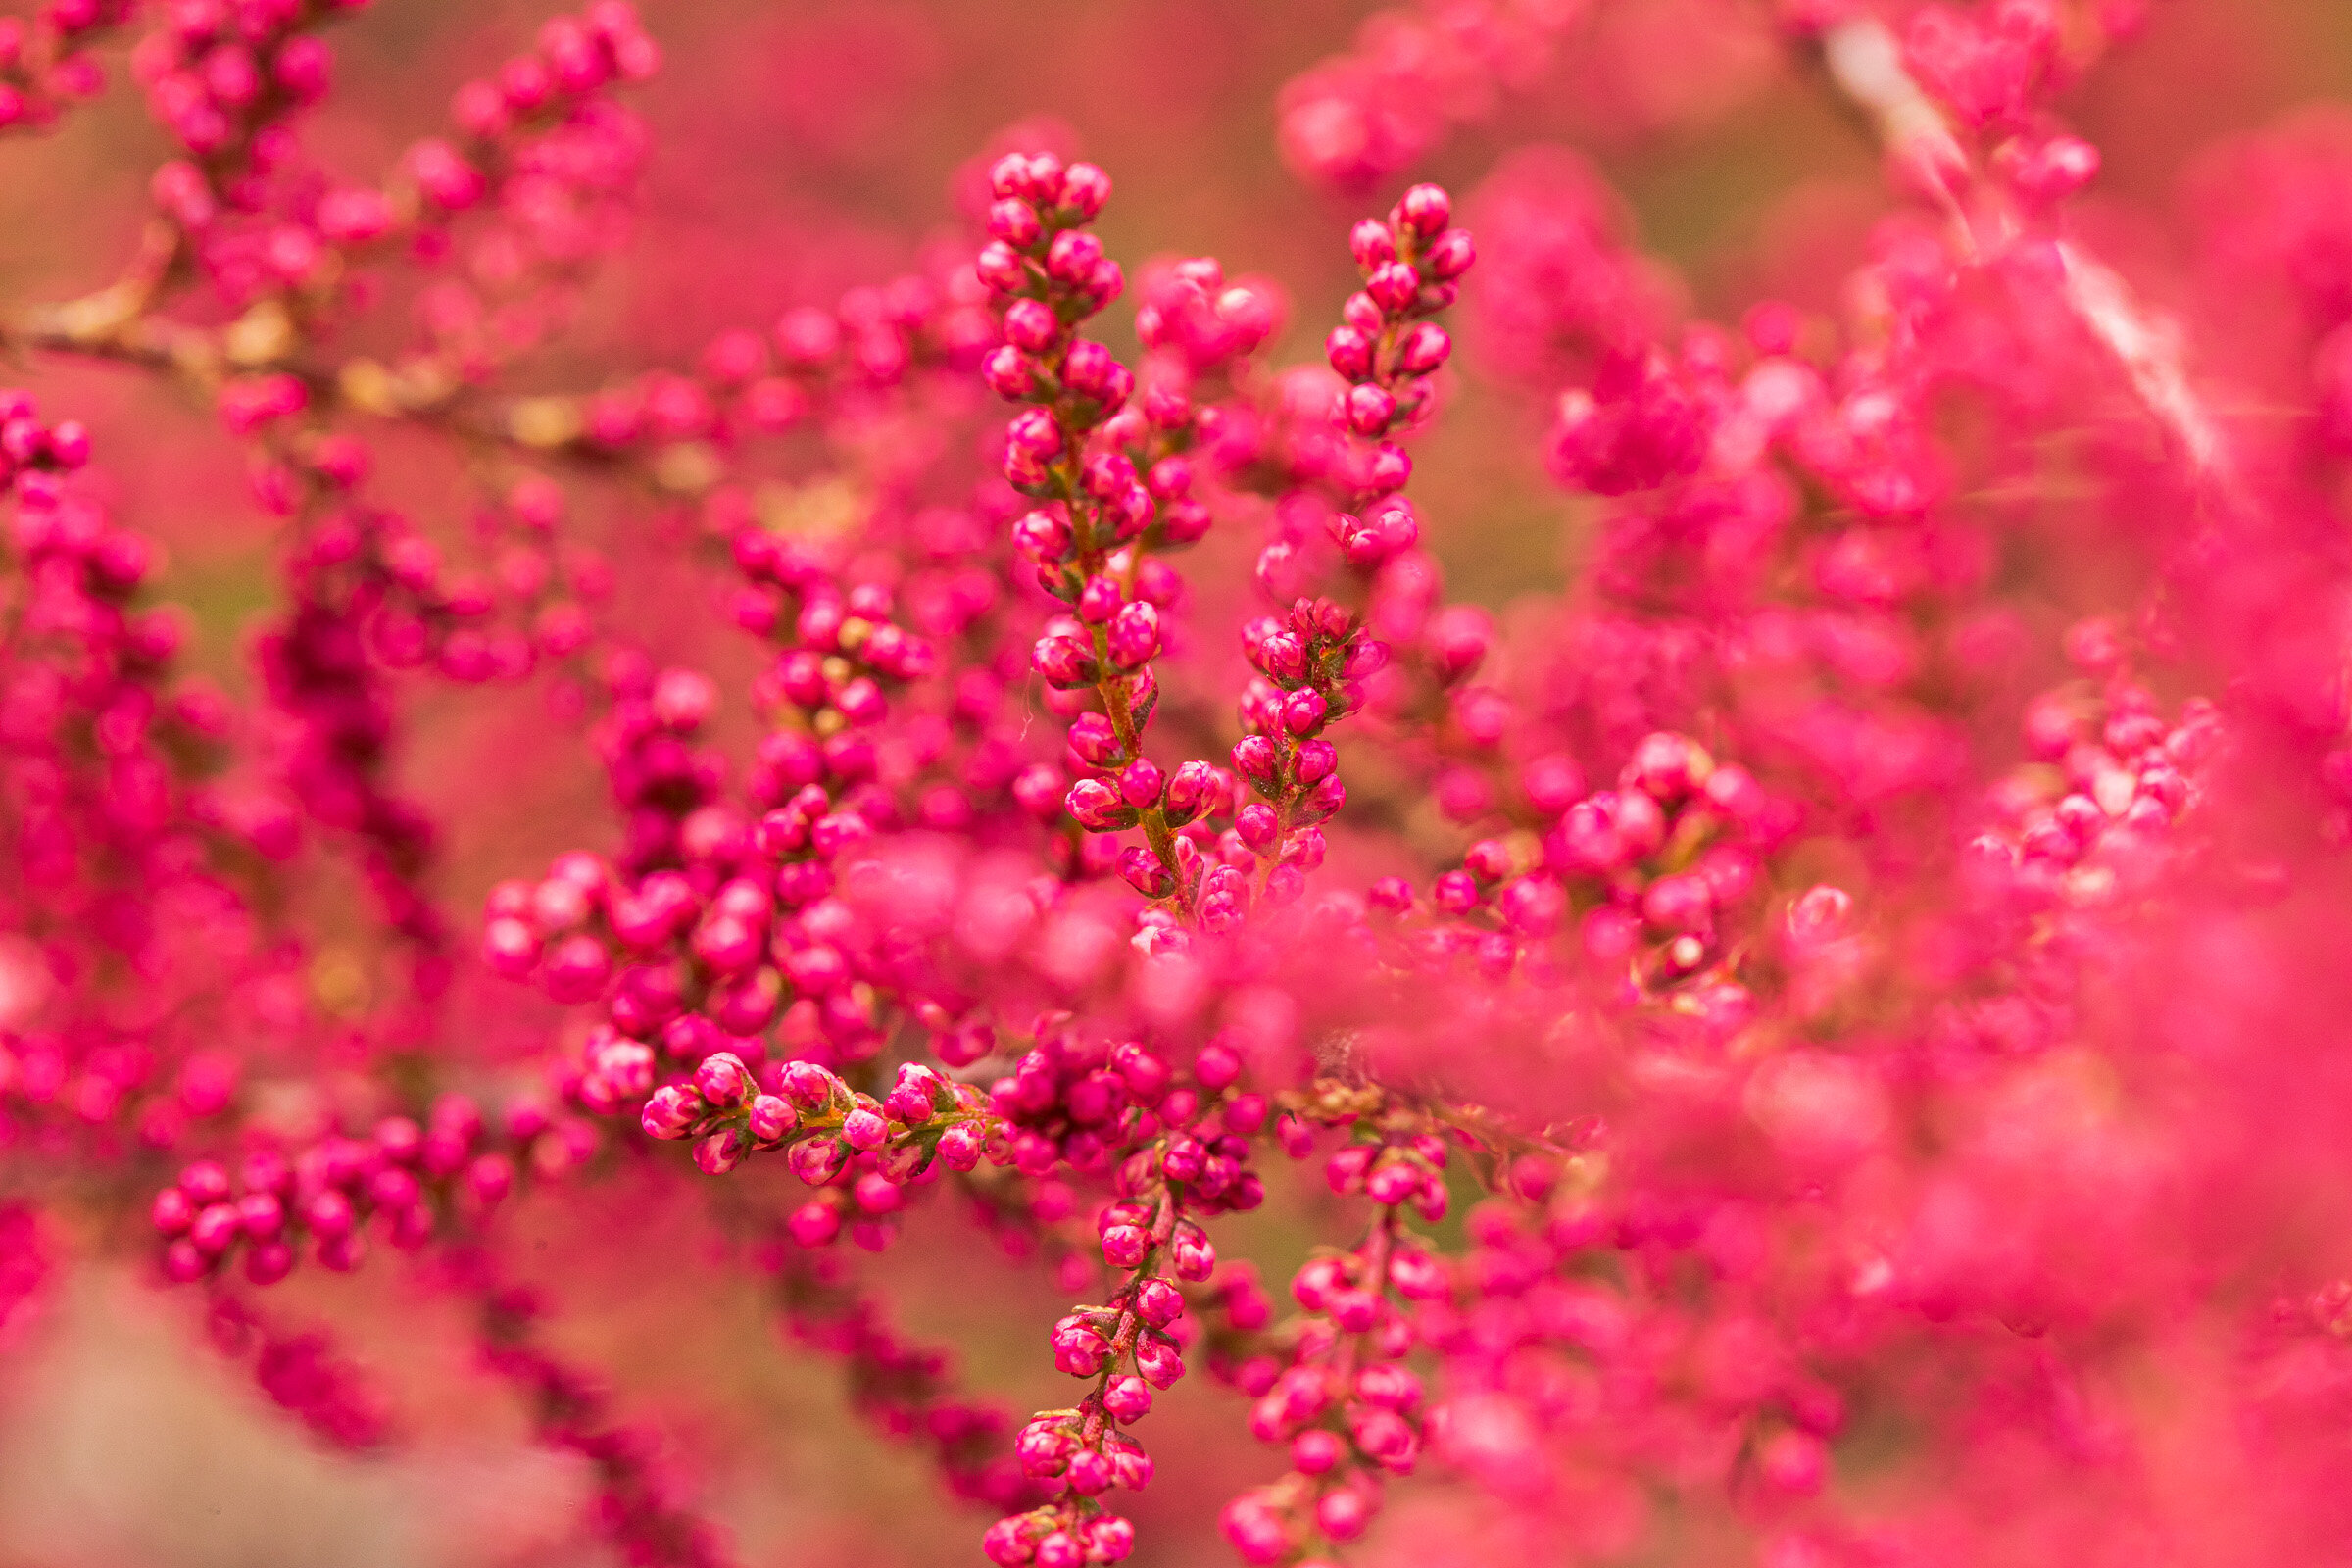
pixel 1015 221
pixel 1303 713
pixel 1078 1347
pixel 1159 1302
pixel 959 1146
pixel 1000 268
pixel 1144 872
pixel 1084 190
pixel 1074 256
pixel 1158 1359
pixel 1139 784
pixel 1007 372
pixel 1128 1398
pixel 1031 325
pixel 1451 254
pixel 814 1223
pixel 1350 350
pixel 809 1086
pixel 1067 664
pixel 1134 635
pixel 1098 807
pixel 1189 792
pixel 1090 370
pixel 1423 348
pixel 1393 286
pixel 864 1129
pixel 1124 1246
pixel 1370 410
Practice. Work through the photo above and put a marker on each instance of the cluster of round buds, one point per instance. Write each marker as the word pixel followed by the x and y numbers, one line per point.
pixel 747 383
pixel 542 145
pixel 750 938
pixel 865 1196
pixel 1116 485
pixel 45 64
pixel 1059 1536
pixel 1337 1392
pixel 52 1076
pixel 544 117
pixel 1131 1346
pixel 1132 497
pixel 1645 419
pixel 636 1507
pixel 714 927
pixel 1659 862
pixel 1356 119
pixel 1076 1098
pixel 1393 1174
pixel 87 662
pixel 106 809
pixel 1117 793
pixel 1196 321
pixel 301 1374
pixel 1133 1343
pixel 466 626
pixel 575 56
pixel 218 74
pixel 1385 349
pixel 1986 69
pixel 1053 1446
pixel 2092 815
pixel 35 457
pixel 905 1389
pixel 823 1125
pixel 319 677
pixel 1312 668
pixel 1051 273
pixel 1210 1159
pixel 841 655
pixel 403 1177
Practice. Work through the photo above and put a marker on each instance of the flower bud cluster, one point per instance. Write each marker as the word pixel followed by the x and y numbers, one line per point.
pixel 710 928
pixel 636 1507
pixel 115 808
pixel 906 1390
pixel 1197 324
pixel 830 1133
pixel 302 1374
pixel 1332 1386
pixel 1516 1297
pixel 1132 1346
pixel 533 189
pixel 45 64
pixel 223 79
pixel 1800 1035
pixel 810 365
pixel 1311 666
pixel 1080 1101
pixel 1663 867
pixel 2091 819
pixel 317 664
pixel 1385 349
pixel 1358 119
pixel 1115 486
pixel 404 1182
pixel 840 657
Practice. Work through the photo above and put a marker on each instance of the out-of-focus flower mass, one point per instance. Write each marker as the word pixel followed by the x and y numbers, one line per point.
pixel 1544 782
